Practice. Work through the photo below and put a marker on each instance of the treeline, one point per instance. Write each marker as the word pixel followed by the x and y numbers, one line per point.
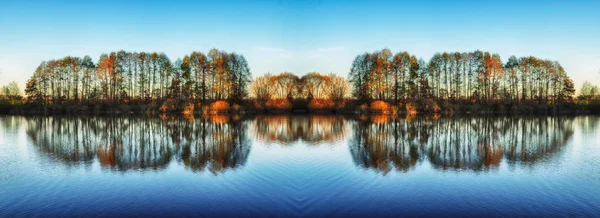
pixel 140 78
pixel 378 82
pixel 451 80
pixel 286 91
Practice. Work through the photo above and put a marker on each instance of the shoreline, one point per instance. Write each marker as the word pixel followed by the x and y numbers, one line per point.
pixel 356 112
pixel 350 107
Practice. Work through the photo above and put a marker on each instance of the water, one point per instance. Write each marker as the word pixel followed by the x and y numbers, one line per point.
pixel 299 166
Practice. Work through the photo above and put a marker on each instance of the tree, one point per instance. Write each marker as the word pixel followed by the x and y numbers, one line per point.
pixel 314 85
pixel 359 76
pixel 284 85
pixel 338 89
pixel 174 89
pixel 260 88
pixel 588 91
pixel 140 77
pixel 32 91
pixel 477 76
pixel 450 77
pixel 566 95
pixel 240 76
pixel 11 91
pixel 512 67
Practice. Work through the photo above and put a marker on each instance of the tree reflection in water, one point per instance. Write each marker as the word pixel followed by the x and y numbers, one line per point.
pixel 215 143
pixel 384 143
pixel 311 129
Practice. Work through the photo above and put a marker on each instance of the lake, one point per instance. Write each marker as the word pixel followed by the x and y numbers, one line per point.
pixel 300 165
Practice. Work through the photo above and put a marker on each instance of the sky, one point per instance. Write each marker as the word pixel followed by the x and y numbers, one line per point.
pixel 299 36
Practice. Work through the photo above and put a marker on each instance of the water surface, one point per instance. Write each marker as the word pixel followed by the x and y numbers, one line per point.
pixel 299 166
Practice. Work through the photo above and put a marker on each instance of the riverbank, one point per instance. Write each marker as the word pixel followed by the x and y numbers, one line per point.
pixel 248 107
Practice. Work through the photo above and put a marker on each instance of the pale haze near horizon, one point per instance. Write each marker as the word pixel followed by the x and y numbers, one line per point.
pixel 300 37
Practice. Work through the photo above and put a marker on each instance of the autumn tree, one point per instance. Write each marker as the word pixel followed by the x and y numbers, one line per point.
pixel 260 88
pixel 32 92
pixel 338 88
pixel 141 77
pixel 475 77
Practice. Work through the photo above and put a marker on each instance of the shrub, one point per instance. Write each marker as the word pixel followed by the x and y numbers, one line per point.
pixel 410 116
pixel 279 104
pixel 236 107
pixel 152 107
pixel 431 106
pixel 380 107
pixel 5 106
pixel 594 106
pixel 167 106
pixel 256 104
pixel 205 109
pixel 188 109
pixel 219 107
pixel 341 105
pixel 363 108
pixel 446 106
pixel 396 109
pixel 411 109
pixel 320 104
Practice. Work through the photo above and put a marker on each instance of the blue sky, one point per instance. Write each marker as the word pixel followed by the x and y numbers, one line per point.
pixel 299 36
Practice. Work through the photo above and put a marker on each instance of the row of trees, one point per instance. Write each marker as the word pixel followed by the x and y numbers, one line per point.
pixel 313 87
pixel 468 76
pixel 124 77
pixel 378 78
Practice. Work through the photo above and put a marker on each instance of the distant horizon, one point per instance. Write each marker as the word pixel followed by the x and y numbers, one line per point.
pixel 300 37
